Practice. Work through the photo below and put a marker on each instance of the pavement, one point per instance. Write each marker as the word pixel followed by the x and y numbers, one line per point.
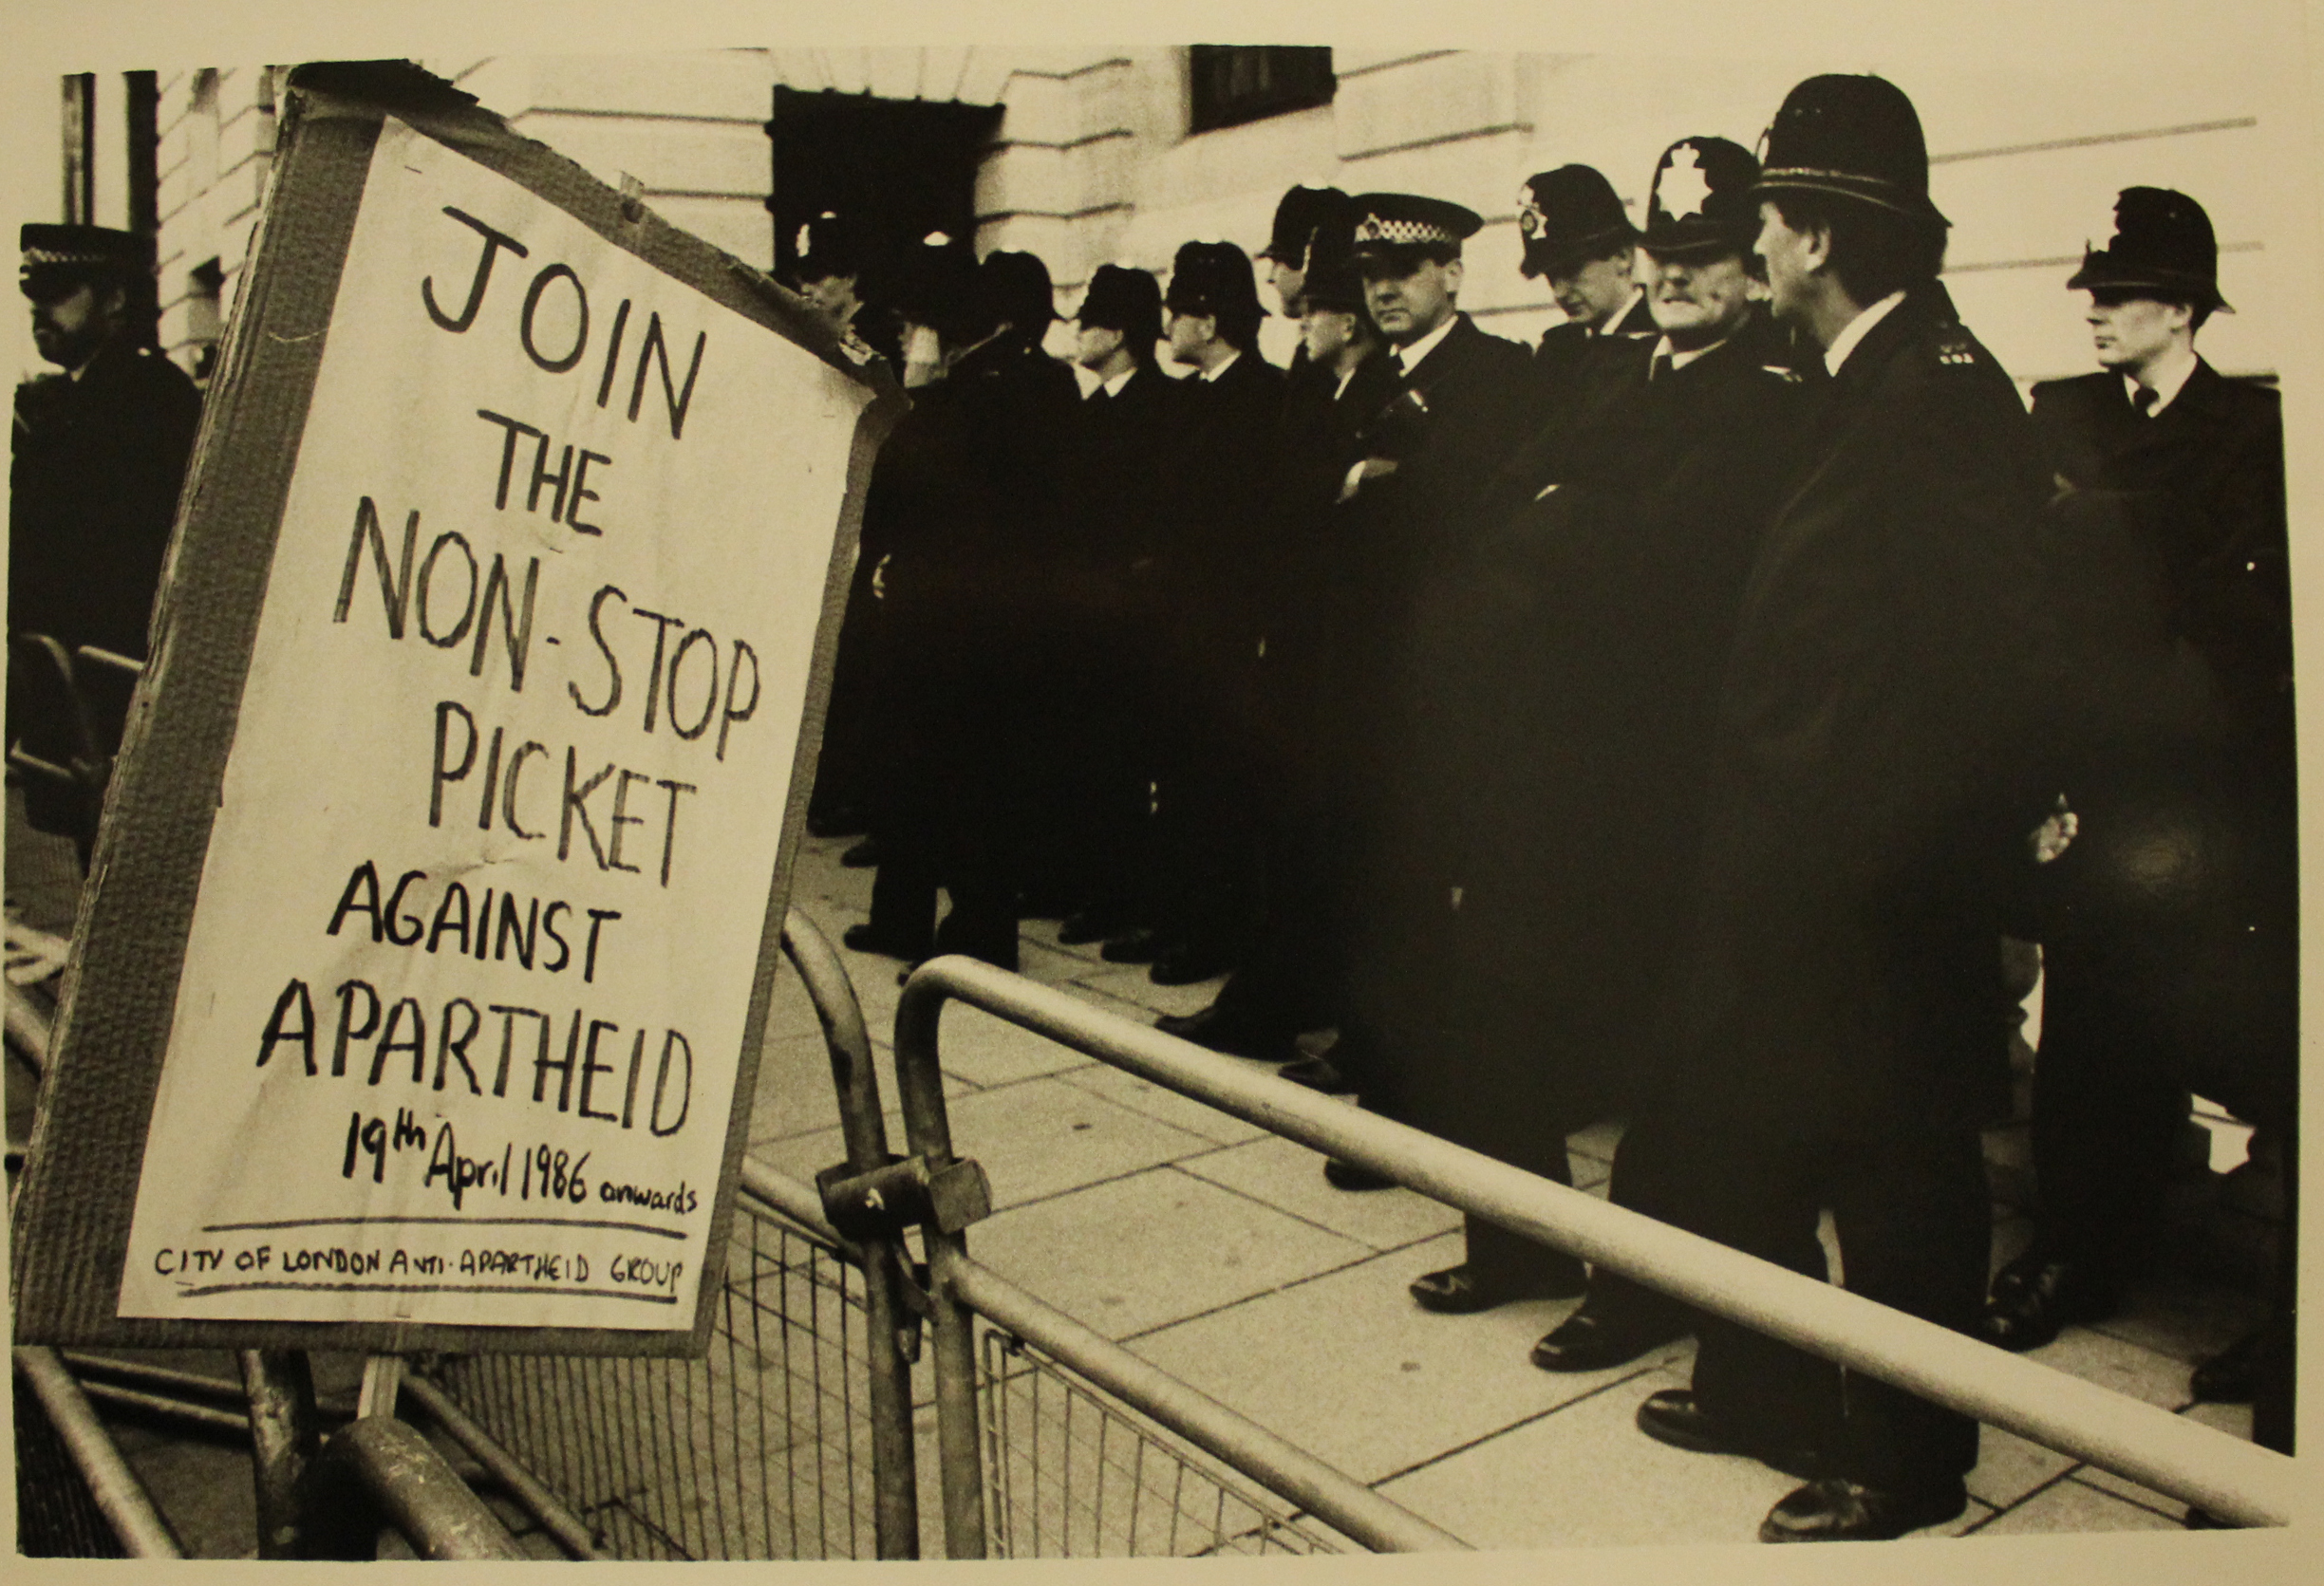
pixel 1219 1252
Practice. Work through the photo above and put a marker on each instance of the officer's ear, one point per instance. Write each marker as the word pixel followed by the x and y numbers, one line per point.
pixel 1452 273
pixel 112 303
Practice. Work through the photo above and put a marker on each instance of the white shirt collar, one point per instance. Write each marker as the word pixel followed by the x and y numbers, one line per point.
pixel 1681 359
pixel 1114 387
pixel 1636 294
pixel 2166 387
pixel 1408 358
pixel 1212 376
pixel 1857 330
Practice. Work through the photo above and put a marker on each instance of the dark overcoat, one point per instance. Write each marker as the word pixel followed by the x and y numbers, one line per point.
pixel 1576 744
pixel 2178 902
pixel 94 474
pixel 1872 778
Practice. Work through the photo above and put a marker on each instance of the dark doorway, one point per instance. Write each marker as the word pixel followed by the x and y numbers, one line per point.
pixel 898 168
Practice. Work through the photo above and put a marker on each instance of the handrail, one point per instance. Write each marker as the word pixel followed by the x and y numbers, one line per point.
pixel 119 1495
pixel 2232 1479
pixel 570 1531
pixel 380 1468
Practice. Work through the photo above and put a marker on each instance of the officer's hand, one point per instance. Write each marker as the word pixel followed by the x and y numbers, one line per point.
pixel 2054 835
pixel 1370 469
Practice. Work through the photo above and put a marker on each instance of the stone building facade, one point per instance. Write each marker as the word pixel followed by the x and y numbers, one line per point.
pixel 1095 157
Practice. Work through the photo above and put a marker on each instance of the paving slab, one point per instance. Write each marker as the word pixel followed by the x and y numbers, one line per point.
pixel 2074 1505
pixel 1195 1247
pixel 1347 1367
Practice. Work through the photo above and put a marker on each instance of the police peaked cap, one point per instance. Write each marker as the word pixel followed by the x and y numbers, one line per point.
pixel 1123 298
pixel 2163 243
pixel 1701 200
pixel 1213 278
pixel 1408 220
pixel 1015 288
pixel 1567 215
pixel 1854 138
pixel 1303 212
pixel 829 244
pixel 60 258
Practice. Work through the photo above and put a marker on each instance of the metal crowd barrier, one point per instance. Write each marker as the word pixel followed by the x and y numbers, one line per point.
pixel 2234 1480
pixel 800 1435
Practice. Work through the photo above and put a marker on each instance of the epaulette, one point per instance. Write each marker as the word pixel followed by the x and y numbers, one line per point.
pixel 1954 346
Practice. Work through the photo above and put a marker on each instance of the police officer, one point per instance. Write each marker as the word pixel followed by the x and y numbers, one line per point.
pixel 1841 1034
pixel 1304 731
pixel 1218 465
pixel 98 453
pixel 1415 499
pixel 1578 238
pixel 1620 577
pixel 1301 214
pixel 2168 517
pixel 1114 526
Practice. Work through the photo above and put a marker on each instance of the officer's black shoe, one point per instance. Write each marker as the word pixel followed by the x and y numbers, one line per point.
pixel 1672 1416
pixel 1188 966
pixel 1833 1510
pixel 1597 1340
pixel 2230 1377
pixel 1139 946
pixel 1085 926
pixel 863 856
pixel 1346 1175
pixel 837 820
pixel 2039 1295
pixel 1459 1291
pixel 868 937
pixel 1229 1031
pixel 1316 1074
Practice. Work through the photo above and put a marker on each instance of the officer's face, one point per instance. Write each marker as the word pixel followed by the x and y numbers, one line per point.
pixel 1407 306
pixel 67 330
pixel 1290 287
pixel 1696 302
pixel 1328 334
pixel 1593 292
pixel 833 297
pixel 1189 335
pixel 2131 332
pixel 1094 343
pixel 1790 257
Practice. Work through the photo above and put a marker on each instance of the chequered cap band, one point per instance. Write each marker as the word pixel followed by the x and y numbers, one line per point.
pixel 34 257
pixel 1372 227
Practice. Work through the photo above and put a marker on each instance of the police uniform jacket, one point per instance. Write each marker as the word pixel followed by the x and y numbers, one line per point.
pixel 1870 787
pixel 2174 600
pixel 1564 349
pixel 1448 426
pixel 1219 457
pixel 1575 741
pixel 94 476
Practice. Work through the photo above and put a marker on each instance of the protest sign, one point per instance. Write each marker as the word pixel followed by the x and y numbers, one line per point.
pixel 460 805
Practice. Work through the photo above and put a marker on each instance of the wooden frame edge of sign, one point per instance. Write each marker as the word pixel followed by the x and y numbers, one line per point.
pixel 71 1223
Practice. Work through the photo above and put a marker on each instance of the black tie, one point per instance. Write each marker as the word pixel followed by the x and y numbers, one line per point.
pixel 1661 365
pixel 2144 400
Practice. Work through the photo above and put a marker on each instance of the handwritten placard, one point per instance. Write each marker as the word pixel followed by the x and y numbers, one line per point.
pixel 467 978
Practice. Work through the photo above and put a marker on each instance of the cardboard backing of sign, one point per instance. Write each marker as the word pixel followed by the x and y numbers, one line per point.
pixel 127 994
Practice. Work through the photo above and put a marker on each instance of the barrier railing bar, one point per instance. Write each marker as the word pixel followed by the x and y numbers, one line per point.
pixel 570 1531
pixel 1288 1471
pixel 894 1475
pixel 2237 1481
pixel 28 1029
pixel 399 1471
pixel 119 1495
